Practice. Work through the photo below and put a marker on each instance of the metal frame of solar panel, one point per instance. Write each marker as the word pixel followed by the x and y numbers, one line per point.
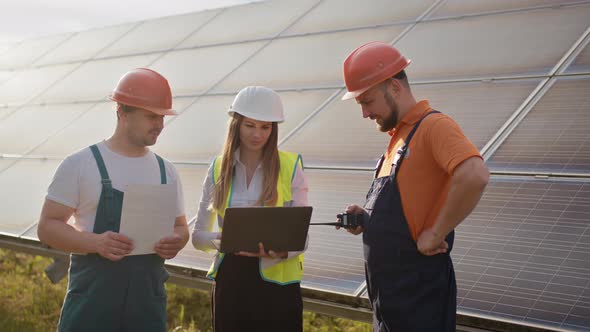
pixel 513 74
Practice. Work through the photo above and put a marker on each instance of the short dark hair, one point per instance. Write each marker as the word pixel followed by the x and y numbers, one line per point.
pixel 126 108
pixel 401 76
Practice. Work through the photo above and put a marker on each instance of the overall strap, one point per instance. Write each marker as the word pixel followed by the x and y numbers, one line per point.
pixel 378 166
pixel 404 149
pixel 104 175
pixel 107 186
pixel 162 169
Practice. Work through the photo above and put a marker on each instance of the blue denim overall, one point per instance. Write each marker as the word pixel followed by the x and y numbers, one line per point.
pixel 103 295
pixel 408 291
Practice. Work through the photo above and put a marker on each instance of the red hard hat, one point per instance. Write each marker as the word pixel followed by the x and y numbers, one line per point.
pixel 144 88
pixel 369 65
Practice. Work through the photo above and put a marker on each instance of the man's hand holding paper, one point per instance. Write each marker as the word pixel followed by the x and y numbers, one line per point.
pixel 169 246
pixel 148 216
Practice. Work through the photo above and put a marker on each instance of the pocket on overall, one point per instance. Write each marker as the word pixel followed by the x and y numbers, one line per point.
pixel 147 301
pixel 79 309
pixel 413 296
pixel 158 281
pixel 434 292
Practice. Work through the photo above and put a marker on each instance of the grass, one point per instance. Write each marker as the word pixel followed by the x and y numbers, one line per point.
pixel 31 303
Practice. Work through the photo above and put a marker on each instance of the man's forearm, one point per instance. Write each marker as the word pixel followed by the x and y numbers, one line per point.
pixel 59 235
pixel 467 187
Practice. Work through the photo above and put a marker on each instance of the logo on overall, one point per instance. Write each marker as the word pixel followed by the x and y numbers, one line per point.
pixel 407 155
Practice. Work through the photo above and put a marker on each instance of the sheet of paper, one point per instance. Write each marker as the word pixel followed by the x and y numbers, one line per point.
pixel 148 215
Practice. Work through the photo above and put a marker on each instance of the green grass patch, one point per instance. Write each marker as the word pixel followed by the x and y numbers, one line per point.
pixel 31 303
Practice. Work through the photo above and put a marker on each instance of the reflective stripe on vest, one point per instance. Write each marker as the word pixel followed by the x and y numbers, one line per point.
pixel 279 271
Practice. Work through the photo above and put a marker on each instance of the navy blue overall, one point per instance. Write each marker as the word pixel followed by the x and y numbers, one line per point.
pixel 408 291
pixel 103 295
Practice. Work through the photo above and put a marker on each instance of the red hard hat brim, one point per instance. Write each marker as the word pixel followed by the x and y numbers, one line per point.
pixel 163 112
pixel 159 111
pixel 353 94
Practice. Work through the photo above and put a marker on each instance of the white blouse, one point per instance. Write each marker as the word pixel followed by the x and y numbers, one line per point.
pixel 243 196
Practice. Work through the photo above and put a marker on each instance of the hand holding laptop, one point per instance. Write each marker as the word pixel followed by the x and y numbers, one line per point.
pixel 262 253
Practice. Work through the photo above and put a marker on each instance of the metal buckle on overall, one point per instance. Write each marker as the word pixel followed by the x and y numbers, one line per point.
pixel 107 187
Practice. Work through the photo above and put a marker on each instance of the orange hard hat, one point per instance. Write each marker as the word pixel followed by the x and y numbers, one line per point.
pixel 369 65
pixel 144 88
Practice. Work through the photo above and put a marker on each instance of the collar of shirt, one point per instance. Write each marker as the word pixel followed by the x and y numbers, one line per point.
pixel 239 162
pixel 413 115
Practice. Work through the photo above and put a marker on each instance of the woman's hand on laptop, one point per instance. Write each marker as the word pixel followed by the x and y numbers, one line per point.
pixel 262 253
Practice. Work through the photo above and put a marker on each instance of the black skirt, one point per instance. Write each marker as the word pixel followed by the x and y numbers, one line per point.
pixel 243 301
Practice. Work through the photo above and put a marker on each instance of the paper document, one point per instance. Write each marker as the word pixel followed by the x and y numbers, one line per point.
pixel 148 215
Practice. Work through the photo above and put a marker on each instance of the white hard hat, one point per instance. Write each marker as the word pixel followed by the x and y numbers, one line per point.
pixel 258 103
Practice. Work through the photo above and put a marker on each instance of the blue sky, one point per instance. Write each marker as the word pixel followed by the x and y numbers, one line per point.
pixel 24 19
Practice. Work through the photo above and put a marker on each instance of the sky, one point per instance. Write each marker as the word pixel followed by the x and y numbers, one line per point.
pixel 25 19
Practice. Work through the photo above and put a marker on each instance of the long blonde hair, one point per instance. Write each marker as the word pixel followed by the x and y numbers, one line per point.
pixel 270 165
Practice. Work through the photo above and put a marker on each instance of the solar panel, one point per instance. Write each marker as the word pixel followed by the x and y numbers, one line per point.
pixel 28 83
pixel 339 136
pixel 93 80
pixel 158 34
pixel 26 52
pixel 554 136
pixel 582 62
pixel 198 133
pixel 84 45
pixel 454 8
pixel 249 22
pixel 25 184
pixel 523 253
pixel 306 61
pixel 192 258
pixel 4 111
pixel 5 46
pixel 93 125
pixel 192 178
pixel 41 122
pixel 195 77
pixel 498 45
pixel 346 14
pixel 479 107
pixel 184 138
pixel 334 259
pixel 31 232
pixel 5 75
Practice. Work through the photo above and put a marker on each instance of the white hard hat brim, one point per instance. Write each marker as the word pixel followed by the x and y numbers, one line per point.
pixel 258 117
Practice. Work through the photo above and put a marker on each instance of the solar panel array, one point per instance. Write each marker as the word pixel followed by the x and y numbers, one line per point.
pixel 514 74
pixel 523 254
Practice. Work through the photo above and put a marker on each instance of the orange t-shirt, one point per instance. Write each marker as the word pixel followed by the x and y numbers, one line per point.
pixel 424 179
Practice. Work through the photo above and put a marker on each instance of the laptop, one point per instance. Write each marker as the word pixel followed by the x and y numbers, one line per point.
pixel 278 228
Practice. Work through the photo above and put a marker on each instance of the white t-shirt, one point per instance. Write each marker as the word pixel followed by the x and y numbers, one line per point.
pixel 77 181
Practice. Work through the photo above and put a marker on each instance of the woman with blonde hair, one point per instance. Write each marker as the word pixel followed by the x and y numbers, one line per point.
pixel 253 291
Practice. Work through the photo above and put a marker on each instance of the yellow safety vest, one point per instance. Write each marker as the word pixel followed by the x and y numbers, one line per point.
pixel 279 271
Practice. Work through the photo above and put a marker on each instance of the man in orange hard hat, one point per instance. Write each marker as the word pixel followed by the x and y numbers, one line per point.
pixel 427 182
pixel 108 289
